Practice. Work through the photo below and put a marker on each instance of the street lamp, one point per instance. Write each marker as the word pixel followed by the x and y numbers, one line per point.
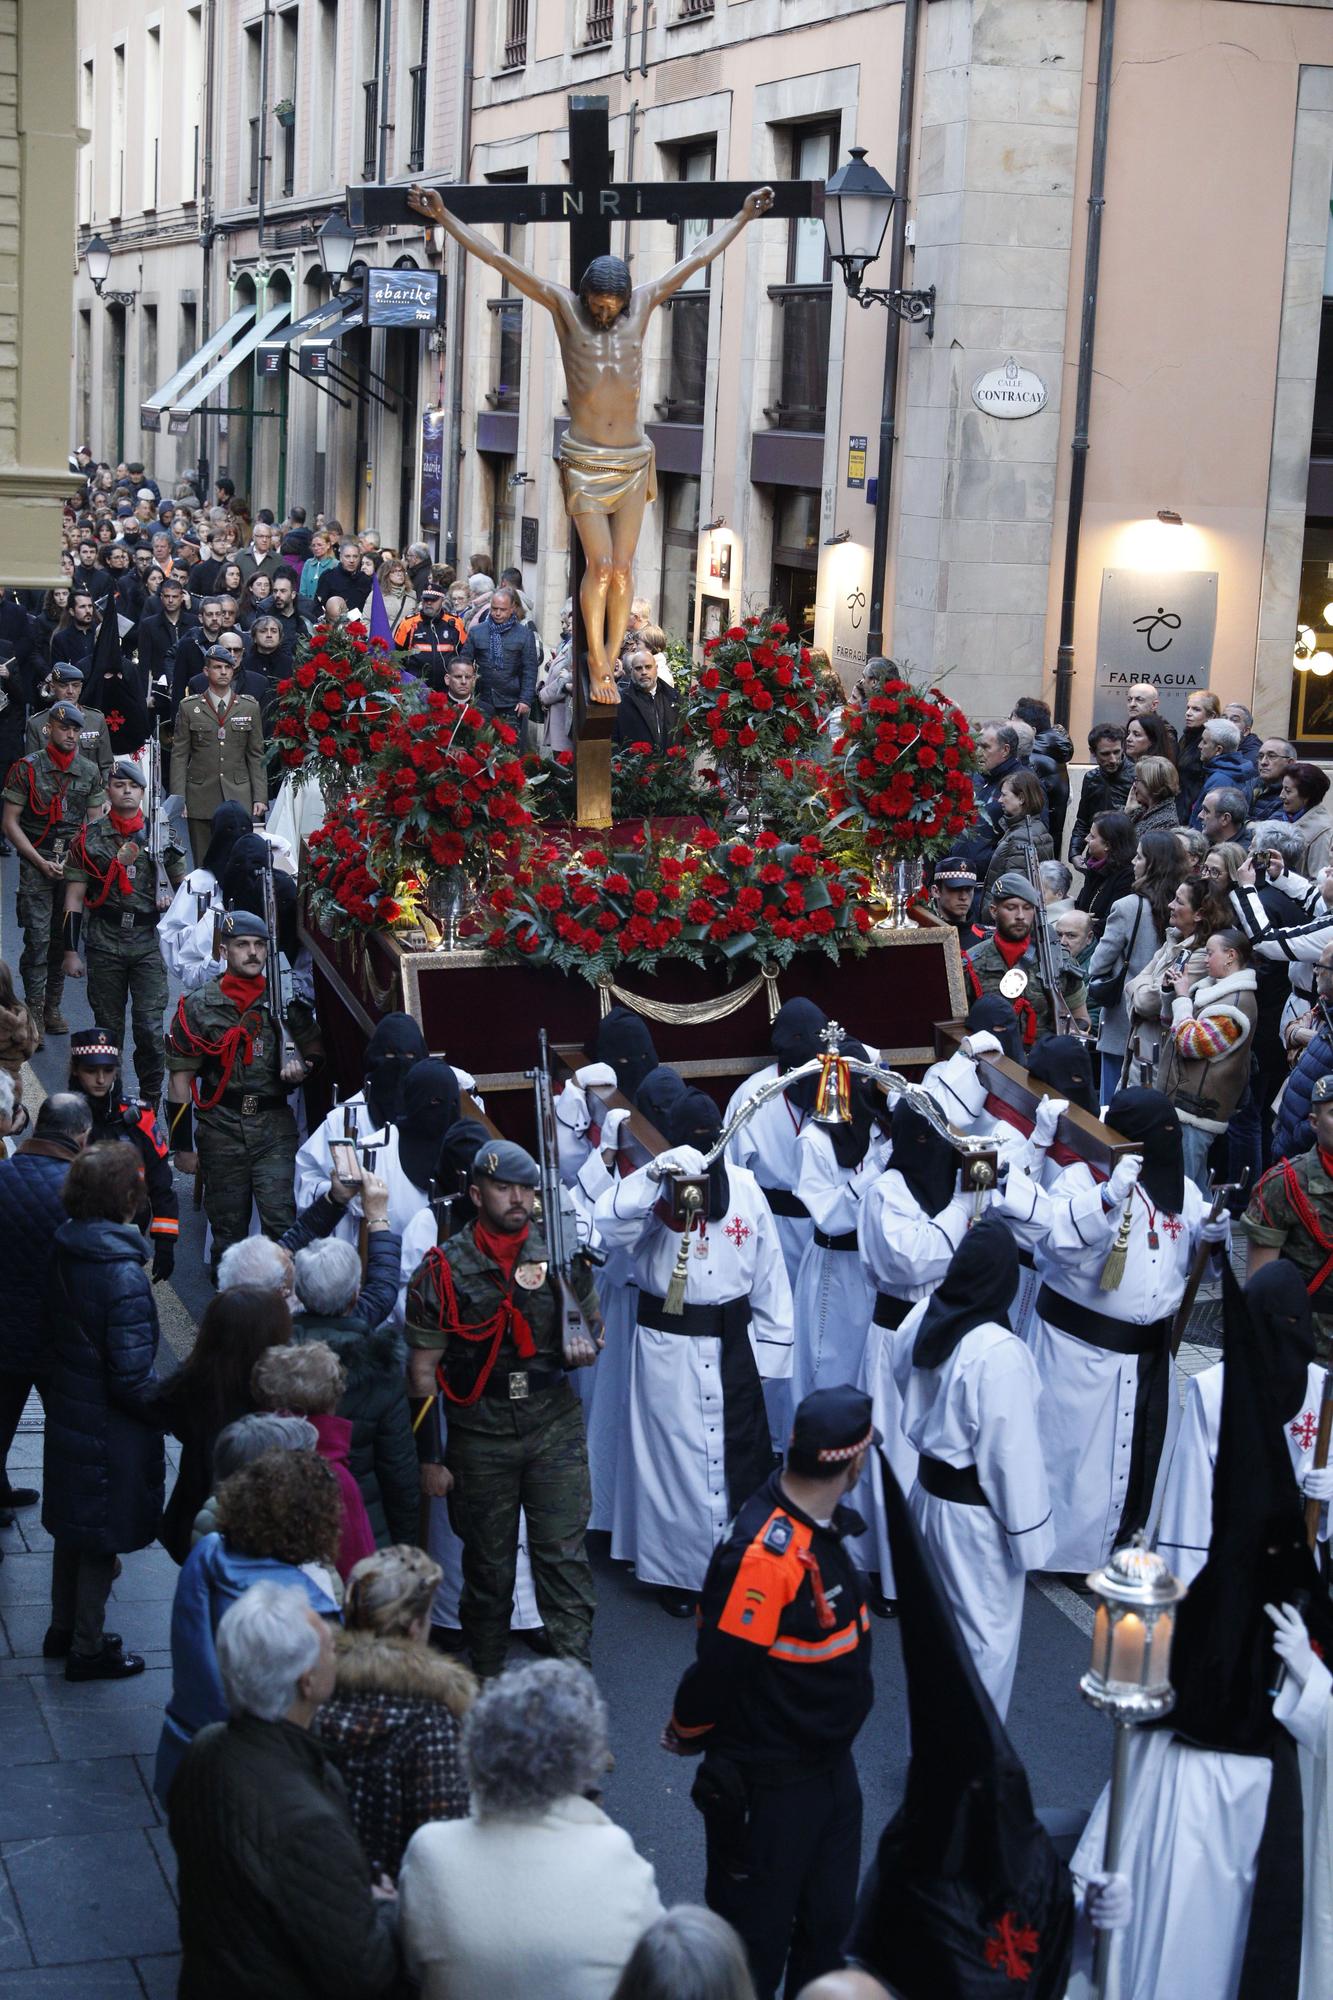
pixel 97 261
pixel 337 241
pixel 1129 1679
pixel 858 203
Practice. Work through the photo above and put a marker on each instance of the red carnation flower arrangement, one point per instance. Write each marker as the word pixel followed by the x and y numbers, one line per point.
pixel 445 789
pixel 900 774
pixel 755 697
pixel 332 712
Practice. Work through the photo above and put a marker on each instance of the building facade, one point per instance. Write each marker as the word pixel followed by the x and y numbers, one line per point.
pixel 225 132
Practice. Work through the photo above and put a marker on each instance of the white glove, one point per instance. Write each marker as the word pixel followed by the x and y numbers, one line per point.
pixel 1216 1229
pixel 595 1076
pixel 612 1125
pixel 571 1108
pixel 983 1043
pixel 1124 1177
pixel 1108 1902
pixel 1050 1110
pixel 1291 1641
pixel 1318 1484
pixel 686 1160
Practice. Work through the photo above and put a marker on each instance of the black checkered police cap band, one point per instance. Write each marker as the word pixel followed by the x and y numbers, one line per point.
pixel 95 1049
pixel 829 1429
pixel 954 873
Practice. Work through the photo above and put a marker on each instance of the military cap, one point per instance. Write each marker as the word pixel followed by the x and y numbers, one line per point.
pixel 832 1425
pixel 955 873
pixel 1014 884
pixel 92 1046
pixel 66 711
pixel 125 767
pixel 240 924
pixel 1323 1090
pixel 502 1160
pixel 66 670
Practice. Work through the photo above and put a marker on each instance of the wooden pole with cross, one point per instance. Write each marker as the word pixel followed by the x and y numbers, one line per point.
pixel 587 205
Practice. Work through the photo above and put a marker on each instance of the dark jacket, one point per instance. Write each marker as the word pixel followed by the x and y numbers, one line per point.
pixel 1190 765
pixel 275 1899
pixel 1051 753
pixel 335 582
pixel 1100 794
pixel 1223 773
pixel 515 679
pixel 651 718
pixel 159 643
pixel 1291 1132
pixel 1266 803
pixel 74 645
pixel 1102 887
pixel 392 1729
pixel 983 837
pixel 31 1212
pixel 102 1477
pixel 383 1457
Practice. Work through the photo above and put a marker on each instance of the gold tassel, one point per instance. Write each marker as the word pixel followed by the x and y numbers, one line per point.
pixel 674 1302
pixel 1113 1270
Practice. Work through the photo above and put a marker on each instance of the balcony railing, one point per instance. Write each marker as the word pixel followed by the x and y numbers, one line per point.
pixel 416 152
pixel 689 358
pixel 255 147
pixel 600 22
pixel 803 397
pixel 370 127
pixel 516 35
pixel 508 354
pixel 690 8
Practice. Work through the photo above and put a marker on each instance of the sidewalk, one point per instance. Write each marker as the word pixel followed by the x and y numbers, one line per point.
pixel 87 1876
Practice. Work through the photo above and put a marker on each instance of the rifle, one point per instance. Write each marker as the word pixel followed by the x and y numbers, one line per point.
pixel 162 889
pixel 1321 1445
pixel 363 1226
pixel 1201 1256
pixel 579 1344
pixel 273 996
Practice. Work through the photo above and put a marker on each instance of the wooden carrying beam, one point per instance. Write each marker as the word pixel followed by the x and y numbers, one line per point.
pixel 1011 1094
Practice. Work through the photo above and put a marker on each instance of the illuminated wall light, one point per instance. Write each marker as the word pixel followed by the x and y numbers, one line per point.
pixel 1321 664
pixel 1161 542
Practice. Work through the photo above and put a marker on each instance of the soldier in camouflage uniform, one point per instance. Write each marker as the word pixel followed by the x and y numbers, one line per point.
pixel 112 906
pixel 1291 1215
pixel 484 1332
pixel 48 794
pixel 1007 963
pixel 66 680
pixel 224 1060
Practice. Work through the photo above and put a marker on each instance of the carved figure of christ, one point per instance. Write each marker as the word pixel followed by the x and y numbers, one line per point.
pixel 606 460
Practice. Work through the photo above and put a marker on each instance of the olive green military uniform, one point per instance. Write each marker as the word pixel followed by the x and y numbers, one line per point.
pixel 94 737
pixel 519 1444
pixel 217 754
pixel 120 943
pixel 245 1137
pixel 53 805
pixel 1291 1211
pixel 985 966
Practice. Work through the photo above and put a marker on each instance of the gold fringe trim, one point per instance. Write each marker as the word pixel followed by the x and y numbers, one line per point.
pixel 679 1014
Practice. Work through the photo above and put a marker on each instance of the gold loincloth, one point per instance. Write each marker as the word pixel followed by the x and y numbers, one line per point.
pixel 600 478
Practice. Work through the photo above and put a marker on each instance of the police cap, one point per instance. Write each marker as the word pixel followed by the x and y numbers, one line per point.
pixel 66 711
pixel 502 1160
pixel 240 924
pixel 125 767
pixel 1014 884
pixel 94 1048
pixel 832 1425
pixel 955 873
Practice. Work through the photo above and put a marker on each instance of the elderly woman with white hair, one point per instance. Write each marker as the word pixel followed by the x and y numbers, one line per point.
pixel 382 1452
pixel 535 1751
pixel 277 1900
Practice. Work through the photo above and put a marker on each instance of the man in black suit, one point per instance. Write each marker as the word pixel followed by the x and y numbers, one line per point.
pixel 649 711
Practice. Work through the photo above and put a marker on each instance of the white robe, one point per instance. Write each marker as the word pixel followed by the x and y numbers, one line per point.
pixel 185 931
pixel 767 1146
pixel 1307 1714
pixel 377 1149
pixel 673 1447
pixel 1086 1418
pixel 1190 1843
pixel 833 1294
pixel 1186 1524
pixel 979 1407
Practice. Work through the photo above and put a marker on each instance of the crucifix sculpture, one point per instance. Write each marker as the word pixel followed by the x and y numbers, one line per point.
pixel 607 461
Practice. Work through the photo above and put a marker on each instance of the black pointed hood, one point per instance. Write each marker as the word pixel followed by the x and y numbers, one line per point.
pixel 696 1121
pixel 623 1041
pixel 977 1290
pixel 924 1158
pixel 1149 1117
pixel 966 1896
pixel 794 1039
pixel 396 1042
pixel 229 822
pixel 658 1095
pixel 429 1106
pixel 1283 1322
pixel 1067 1064
pixel 991 1014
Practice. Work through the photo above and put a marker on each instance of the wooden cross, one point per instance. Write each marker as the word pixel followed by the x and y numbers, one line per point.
pixel 587 204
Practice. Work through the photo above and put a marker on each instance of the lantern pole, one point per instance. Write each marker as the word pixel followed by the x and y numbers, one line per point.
pixel 1129 1680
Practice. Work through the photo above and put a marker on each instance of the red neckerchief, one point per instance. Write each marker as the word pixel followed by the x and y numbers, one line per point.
pixel 50 811
pixel 1326 1162
pixel 62 759
pixel 239 1040
pixel 126 828
pixel 1011 949
pixel 506 1319
pixel 503 1247
pixel 117 876
pixel 243 993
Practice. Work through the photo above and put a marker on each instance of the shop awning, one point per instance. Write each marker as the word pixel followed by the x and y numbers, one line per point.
pixel 150 413
pixel 184 408
pixel 315 348
pixel 322 318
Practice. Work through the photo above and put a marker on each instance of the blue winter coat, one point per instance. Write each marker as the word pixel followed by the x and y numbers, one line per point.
pixel 1291 1132
pixel 103 1463
pixel 212 1578
pixel 31 1211
pixel 1224 773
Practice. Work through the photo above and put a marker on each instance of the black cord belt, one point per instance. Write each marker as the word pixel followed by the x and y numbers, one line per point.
pixel 846 1241
pixel 958 1483
pixel 697 1322
pixel 889 1311
pixel 783 1202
